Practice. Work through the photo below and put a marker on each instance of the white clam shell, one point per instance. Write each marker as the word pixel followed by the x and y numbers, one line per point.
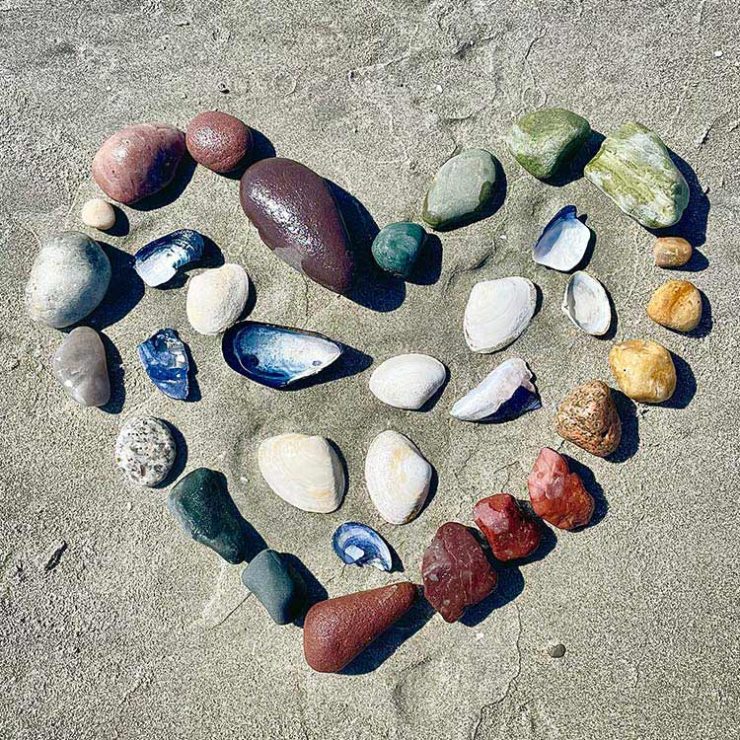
pixel 304 471
pixel 498 311
pixel 407 381
pixel 563 241
pixel 216 298
pixel 397 477
pixel 587 304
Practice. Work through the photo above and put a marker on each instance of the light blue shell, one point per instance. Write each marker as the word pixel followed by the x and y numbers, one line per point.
pixel 166 362
pixel 358 544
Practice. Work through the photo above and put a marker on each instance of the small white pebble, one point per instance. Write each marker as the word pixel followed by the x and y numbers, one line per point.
pixel 99 214
pixel 718 53
pixel 438 88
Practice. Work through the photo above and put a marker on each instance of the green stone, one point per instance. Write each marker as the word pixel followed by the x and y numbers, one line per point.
pixel 633 167
pixel 461 191
pixel 277 585
pixel 397 246
pixel 201 503
pixel 542 141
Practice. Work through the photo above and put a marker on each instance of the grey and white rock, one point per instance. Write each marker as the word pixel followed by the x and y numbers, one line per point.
pixel 145 450
pixel 79 364
pixel 216 298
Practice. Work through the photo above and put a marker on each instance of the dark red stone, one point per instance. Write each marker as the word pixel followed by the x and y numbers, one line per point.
pixel 297 217
pixel 456 571
pixel 558 495
pixel 218 141
pixel 510 532
pixel 336 631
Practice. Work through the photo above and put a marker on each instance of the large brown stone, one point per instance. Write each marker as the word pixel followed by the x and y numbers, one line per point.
pixel 510 532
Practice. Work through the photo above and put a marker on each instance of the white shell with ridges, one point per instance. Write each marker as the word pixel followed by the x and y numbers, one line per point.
pixel 587 304
pixel 407 381
pixel 216 298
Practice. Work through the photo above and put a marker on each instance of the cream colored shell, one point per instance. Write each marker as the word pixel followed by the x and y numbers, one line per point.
pixel 407 381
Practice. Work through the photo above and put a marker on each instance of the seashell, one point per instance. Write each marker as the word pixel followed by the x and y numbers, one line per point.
pixel 158 262
pixel 587 304
pixel 498 311
pixel 304 471
pixel 166 362
pixel 277 356
pixel 358 544
pixel 563 241
pixel 407 381
pixel 397 477
pixel 504 394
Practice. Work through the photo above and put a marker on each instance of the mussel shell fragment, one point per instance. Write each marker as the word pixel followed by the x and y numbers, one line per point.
pixel 586 304
pixel 166 362
pixel 158 262
pixel 563 242
pixel 358 544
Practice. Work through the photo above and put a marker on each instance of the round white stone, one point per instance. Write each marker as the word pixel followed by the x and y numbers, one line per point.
pixel 216 298
pixel 99 214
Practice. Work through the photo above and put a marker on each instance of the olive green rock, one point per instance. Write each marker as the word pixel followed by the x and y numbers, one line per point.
pixel 633 167
pixel 542 141
pixel 397 246
pixel 277 586
pixel 461 191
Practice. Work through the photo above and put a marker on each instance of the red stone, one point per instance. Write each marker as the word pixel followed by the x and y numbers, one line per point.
pixel 336 631
pixel 456 571
pixel 510 532
pixel 218 141
pixel 558 495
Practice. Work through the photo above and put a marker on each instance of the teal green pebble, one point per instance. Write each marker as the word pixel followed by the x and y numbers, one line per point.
pixel 277 586
pixel 397 246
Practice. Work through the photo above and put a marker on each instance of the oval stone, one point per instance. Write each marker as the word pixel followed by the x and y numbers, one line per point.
pixel 145 450
pixel 644 370
pixel 218 141
pixel 80 366
pixel 99 214
pixel 671 251
pixel 276 585
pixel 216 298
pixel 397 246
pixel 676 305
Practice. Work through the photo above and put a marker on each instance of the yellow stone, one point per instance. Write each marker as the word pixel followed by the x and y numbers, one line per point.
pixel 676 305
pixel 644 370
pixel 671 251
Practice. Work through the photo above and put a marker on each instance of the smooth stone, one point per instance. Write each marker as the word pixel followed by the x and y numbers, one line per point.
pixel 586 304
pixel 357 544
pixel 671 251
pixel 138 161
pixel 676 305
pixel 644 370
pixel 68 280
pixel 456 571
pixel 98 214
pixel 277 586
pixel 556 650
pixel 145 450
pixel 298 218
pixel 202 505
pixel 166 362
pixel 544 140
pixel 216 298
pixel 157 262
pixel 407 381
pixel 510 532
pixel 588 417
pixel 79 364
pixel 397 247
pixel 337 630
pixel 557 495
pixel 633 167
pixel 218 141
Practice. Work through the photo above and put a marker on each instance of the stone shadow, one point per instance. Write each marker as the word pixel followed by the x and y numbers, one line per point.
pixel 262 148
pixel 685 384
pixel 122 226
pixel 116 374
pixel 573 170
pixel 172 191
pixel 630 442
pixel 705 325
pixel 125 291
pixel 314 592
pixel 590 483
pixel 428 265
pixel 181 455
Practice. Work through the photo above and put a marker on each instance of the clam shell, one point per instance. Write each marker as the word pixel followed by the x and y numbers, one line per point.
pixel 563 241
pixel 407 381
pixel 357 544
pixel 304 471
pixel 498 311
pixel 397 477
pixel 587 304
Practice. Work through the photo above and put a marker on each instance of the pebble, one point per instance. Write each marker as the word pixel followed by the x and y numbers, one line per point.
pixel 276 585
pixel 166 362
pixel 397 247
pixel 510 532
pixel 145 450
pixel 99 214
pixel 644 370
pixel 556 650
pixel 79 364
pixel 671 251
pixel 676 305
pixel 216 298
pixel 407 381
pixel 218 141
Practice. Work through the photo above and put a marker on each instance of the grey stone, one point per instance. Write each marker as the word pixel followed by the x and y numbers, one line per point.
pixel 145 450
pixel 276 584
pixel 79 364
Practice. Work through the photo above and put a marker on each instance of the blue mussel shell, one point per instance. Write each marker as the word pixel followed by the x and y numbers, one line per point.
pixel 165 360
pixel 358 544
pixel 158 262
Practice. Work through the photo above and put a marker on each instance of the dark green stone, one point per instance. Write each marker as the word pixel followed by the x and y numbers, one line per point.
pixel 277 585
pixel 201 503
pixel 397 246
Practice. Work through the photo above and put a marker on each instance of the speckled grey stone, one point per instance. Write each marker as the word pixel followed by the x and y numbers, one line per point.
pixel 145 450
pixel 79 364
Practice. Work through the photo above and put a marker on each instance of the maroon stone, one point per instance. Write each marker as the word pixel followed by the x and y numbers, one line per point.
pixel 558 495
pixel 510 532
pixel 336 631
pixel 297 217
pixel 456 571
pixel 218 141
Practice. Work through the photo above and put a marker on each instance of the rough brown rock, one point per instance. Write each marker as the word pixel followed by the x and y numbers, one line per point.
pixel 671 251
pixel 218 141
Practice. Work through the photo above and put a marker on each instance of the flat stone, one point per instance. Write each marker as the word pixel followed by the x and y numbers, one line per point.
pixel 676 305
pixel 99 214
pixel 510 532
pixel 276 585
pixel 145 450
pixel 218 141
pixel 216 298
pixel 397 246
pixel 644 370
pixel 79 364
pixel 671 251
pixel 166 362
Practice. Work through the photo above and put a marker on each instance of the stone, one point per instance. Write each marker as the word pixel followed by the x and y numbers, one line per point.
pixel 145 450
pixel 676 305
pixel 68 280
pixel 634 168
pixel 138 161
pixel 337 630
pixel 218 141
pixel 644 370
pixel 397 247
pixel 544 140
pixel 216 298
pixel 157 262
pixel 276 585
pixel 462 190
pixel 510 532
pixel 671 251
pixel 166 362
pixel 298 218
pixel 98 214
pixel 556 650
pixel 204 509
pixel 79 364
pixel 557 495
pixel 588 417
pixel 455 571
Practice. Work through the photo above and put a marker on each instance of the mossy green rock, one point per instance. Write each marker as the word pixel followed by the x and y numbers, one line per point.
pixel 461 191
pixel 634 169
pixel 542 141
pixel 397 246
pixel 201 503
pixel 277 585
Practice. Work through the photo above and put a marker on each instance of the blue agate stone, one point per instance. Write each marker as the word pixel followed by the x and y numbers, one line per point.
pixel 158 262
pixel 165 360
pixel 358 544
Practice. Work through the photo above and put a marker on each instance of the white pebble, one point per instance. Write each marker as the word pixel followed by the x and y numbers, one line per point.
pixel 718 53
pixel 99 214
pixel 216 298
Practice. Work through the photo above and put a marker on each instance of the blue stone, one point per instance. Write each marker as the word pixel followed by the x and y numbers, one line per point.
pixel 165 360
pixel 277 356
pixel 358 544
pixel 158 262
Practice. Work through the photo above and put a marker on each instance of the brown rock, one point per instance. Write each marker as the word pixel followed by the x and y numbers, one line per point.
pixel 644 370
pixel 218 141
pixel 337 630
pixel 671 251
pixel 588 417
pixel 510 532
pixel 676 305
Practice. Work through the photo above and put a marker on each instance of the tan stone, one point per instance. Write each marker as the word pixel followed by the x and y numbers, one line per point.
pixel 644 370
pixel 99 214
pixel 671 251
pixel 676 305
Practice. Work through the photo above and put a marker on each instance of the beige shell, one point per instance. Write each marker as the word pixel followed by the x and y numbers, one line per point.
pixel 407 381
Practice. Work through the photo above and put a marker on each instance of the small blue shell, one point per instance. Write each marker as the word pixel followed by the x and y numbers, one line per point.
pixel 358 544
pixel 158 262
pixel 165 360
pixel 563 242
